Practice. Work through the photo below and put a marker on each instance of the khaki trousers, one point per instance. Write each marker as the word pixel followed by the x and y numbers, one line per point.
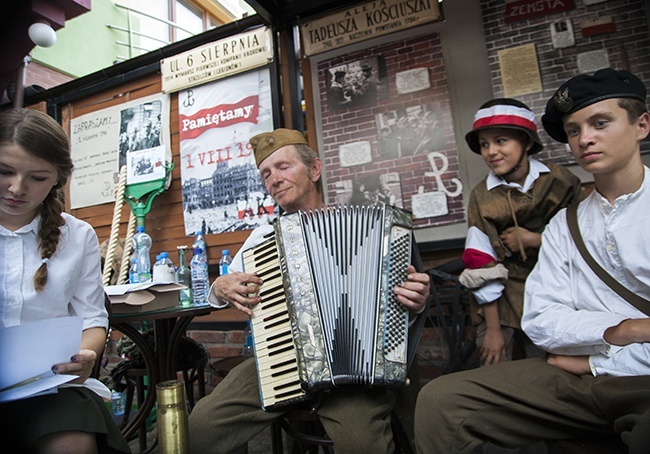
pixel 518 403
pixel 357 419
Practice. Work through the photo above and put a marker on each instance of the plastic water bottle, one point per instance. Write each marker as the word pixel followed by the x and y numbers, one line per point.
pixel 153 267
pixel 248 350
pixel 134 278
pixel 199 241
pixel 117 406
pixel 164 271
pixel 142 248
pixel 184 277
pixel 225 262
pixel 200 278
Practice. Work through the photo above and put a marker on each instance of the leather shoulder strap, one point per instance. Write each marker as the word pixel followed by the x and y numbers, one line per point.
pixel 635 300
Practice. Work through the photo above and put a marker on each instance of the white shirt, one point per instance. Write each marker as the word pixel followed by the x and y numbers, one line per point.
pixel 256 237
pixel 74 283
pixel 567 308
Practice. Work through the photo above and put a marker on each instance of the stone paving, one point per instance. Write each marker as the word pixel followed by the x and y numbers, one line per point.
pixel 258 445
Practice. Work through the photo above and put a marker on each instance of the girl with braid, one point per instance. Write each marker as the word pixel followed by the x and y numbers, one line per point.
pixel 50 268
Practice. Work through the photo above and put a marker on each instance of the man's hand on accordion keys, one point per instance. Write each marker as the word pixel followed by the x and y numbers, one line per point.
pixel 414 292
pixel 238 289
pixel 241 290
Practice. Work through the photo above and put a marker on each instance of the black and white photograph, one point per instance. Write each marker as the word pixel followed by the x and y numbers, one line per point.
pixel 357 83
pixel 410 131
pixel 382 189
pixel 140 142
pixel 140 128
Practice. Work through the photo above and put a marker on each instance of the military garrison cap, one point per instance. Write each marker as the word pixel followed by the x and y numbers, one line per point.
pixel 583 90
pixel 266 143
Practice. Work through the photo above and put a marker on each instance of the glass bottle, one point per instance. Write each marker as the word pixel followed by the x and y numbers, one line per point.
pixel 184 277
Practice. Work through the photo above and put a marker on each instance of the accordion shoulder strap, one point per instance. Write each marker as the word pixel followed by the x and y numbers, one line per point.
pixel 635 300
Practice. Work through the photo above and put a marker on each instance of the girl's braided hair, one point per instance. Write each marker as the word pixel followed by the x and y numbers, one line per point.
pixel 41 136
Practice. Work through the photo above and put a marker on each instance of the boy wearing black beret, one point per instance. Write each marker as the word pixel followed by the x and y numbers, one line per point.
pixel 596 376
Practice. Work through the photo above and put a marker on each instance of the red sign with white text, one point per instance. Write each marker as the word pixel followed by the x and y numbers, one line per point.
pixel 221 116
pixel 527 9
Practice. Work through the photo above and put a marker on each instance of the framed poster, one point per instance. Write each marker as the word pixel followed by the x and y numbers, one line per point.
pixel 101 142
pixel 222 189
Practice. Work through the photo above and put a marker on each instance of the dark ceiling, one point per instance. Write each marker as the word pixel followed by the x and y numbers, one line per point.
pixel 15 18
pixel 284 12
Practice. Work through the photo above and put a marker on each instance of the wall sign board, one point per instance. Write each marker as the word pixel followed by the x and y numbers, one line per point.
pixel 217 60
pixel 366 21
pixel 527 9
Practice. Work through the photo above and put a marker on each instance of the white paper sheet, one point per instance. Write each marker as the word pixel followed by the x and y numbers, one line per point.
pixel 28 352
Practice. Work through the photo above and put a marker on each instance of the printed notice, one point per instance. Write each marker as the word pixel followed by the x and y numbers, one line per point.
pixel 429 204
pixel 353 154
pixel 27 357
pixel 94 142
pixel 520 70
pixel 412 80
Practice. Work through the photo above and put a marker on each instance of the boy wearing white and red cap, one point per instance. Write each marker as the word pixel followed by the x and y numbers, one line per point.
pixel 507 213
pixel 596 377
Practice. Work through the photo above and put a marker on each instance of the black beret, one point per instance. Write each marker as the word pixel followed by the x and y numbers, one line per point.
pixel 583 90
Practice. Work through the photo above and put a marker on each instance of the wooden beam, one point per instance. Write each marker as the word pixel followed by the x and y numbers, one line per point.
pixel 215 10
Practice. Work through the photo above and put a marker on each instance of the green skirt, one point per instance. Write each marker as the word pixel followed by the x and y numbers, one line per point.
pixel 24 422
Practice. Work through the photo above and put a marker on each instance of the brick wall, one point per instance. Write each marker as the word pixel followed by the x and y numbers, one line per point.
pixel 627 48
pixel 38 74
pixel 359 123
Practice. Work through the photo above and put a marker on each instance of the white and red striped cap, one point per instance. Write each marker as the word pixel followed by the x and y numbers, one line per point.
pixel 504 113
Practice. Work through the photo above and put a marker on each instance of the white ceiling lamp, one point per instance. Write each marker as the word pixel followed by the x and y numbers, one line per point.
pixel 42 34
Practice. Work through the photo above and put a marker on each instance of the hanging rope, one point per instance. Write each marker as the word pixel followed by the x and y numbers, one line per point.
pixel 115 227
pixel 123 277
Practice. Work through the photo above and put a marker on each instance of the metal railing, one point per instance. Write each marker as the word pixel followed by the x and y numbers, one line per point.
pixel 131 33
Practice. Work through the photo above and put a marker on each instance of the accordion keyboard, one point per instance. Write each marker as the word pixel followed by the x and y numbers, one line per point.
pixel 271 329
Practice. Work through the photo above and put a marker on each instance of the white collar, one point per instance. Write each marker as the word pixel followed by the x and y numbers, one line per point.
pixel 31 227
pixel 535 168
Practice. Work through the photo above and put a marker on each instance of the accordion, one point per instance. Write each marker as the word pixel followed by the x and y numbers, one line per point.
pixel 328 315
